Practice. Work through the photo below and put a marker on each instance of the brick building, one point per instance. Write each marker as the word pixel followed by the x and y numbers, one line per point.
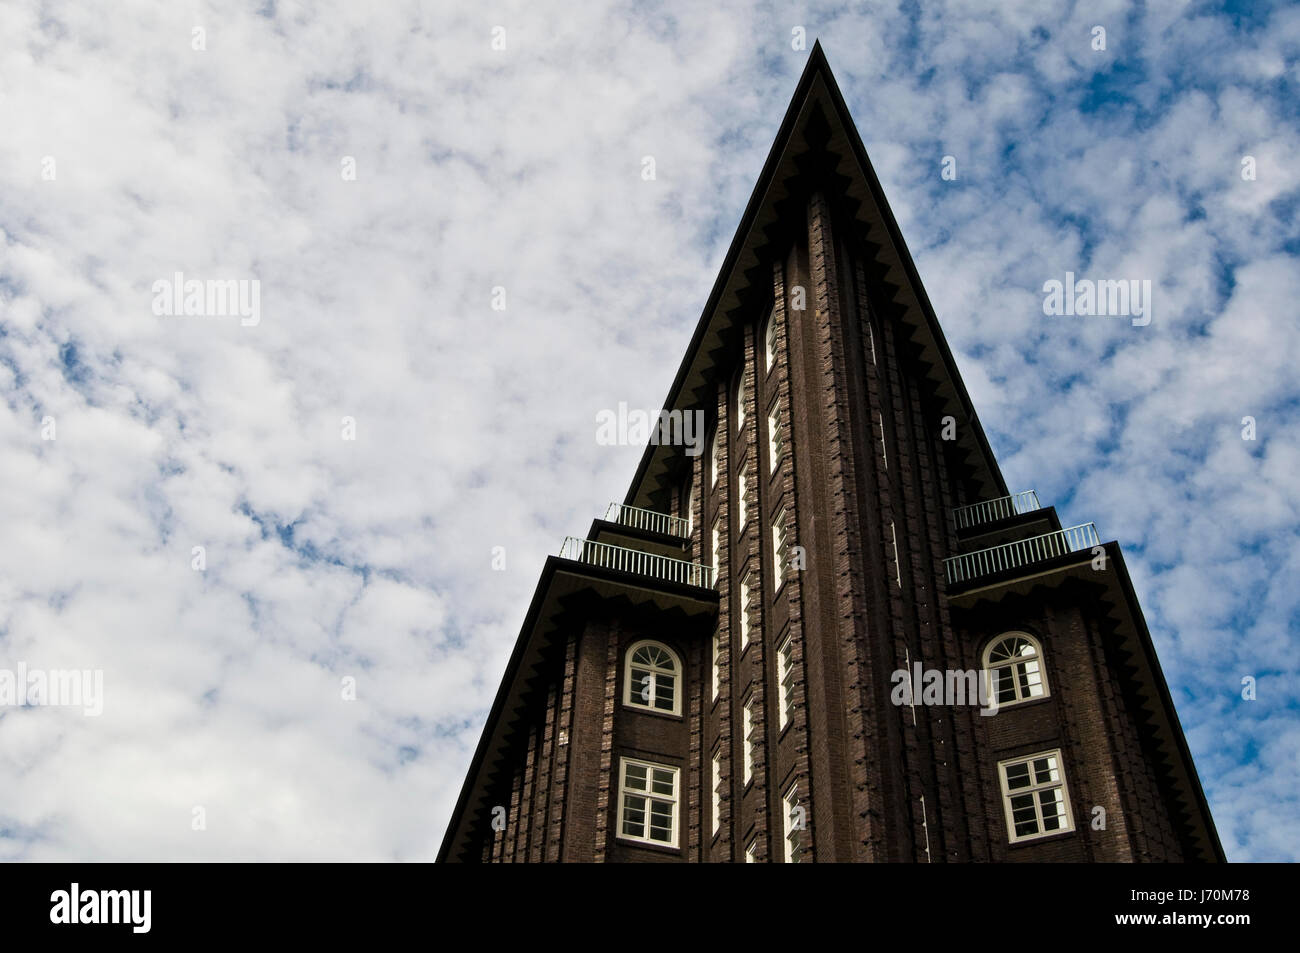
pixel 710 674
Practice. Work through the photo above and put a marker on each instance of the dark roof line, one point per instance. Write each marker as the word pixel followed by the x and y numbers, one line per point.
pixel 818 66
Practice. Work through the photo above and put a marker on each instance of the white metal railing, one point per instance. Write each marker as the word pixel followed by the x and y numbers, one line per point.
pixel 634 560
pixel 986 511
pixel 1022 552
pixel 648 520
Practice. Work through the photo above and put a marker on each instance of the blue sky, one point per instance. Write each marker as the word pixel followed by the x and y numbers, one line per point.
pixel 520 168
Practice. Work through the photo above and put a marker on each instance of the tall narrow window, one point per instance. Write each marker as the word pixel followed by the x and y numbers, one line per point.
pixel 884 452
pixel 742 496
pixel 785 673
pixel 775 446
pixel 717 655
pixel 794 825
pixel 713 459
pixel 717 548
pixel 898 569
pixel 744 611
pixel 751 852
pixel 769 340
pixel 740 397
pixel 647 802
pixel 717 791
pixel 650 679
pixel 748 728
pixel 1034 797
pixel 778 548
pixel 690 511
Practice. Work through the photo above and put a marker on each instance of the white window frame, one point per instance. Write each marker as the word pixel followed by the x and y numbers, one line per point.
pixel 745 599
pixel 884 451
pixel 740 397
pixel 769 339
pixel 632 692
pixel 751 852
pixel 747 728
pixel 717 550
pixel 713 459
pixel 785 680
pixel 742 497
pixel 674 799
pixel 1015 666
pixel 775 448
pixel 717 792
pixel 898 567
pixel 717 663
pixel 778 549
pixel 690 510
pixel 789 801
pixel 1033 790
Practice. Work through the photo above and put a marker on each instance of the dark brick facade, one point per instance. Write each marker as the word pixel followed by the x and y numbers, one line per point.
pixel 880 448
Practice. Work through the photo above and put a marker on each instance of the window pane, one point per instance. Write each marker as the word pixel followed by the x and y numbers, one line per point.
pixel 1017 776
pixel 1003 685
pixel 663 782
pixel 661 821
pixel 1045 770
pixel 633 816
pixel 635 776
pixel 665 689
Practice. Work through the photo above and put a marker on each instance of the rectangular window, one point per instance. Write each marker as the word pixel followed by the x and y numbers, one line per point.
pixel 1034 797
pixel 717 654
pixel 775 447
pixel 740 397
pixel 748 728
pixel 794 826
pixel 742 497
pixel 717 791
pixel 713 459
pixel 744 611
pixel 778 548
pixel 751 852
pixel 647 802
pixel 785 674
pixel 717 548
pixel 770 339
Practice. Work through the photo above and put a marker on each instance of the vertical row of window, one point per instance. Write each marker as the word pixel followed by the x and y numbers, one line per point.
pixel 649 794
pixel 747 733
pixel 748 582
pixel 776 450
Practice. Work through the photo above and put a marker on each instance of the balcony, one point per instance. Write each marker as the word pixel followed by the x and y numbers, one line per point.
pixel 1019 554
pixel 989 511
pixel 649 521
pixel 636 561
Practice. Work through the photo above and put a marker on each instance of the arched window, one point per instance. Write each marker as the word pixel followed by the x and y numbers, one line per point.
pixel 651 678
pixel 1013 663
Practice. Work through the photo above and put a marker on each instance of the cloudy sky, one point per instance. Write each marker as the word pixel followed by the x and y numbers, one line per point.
pixel 219 141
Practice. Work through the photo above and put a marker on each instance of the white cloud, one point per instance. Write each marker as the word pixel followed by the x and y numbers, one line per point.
pixel 475 427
